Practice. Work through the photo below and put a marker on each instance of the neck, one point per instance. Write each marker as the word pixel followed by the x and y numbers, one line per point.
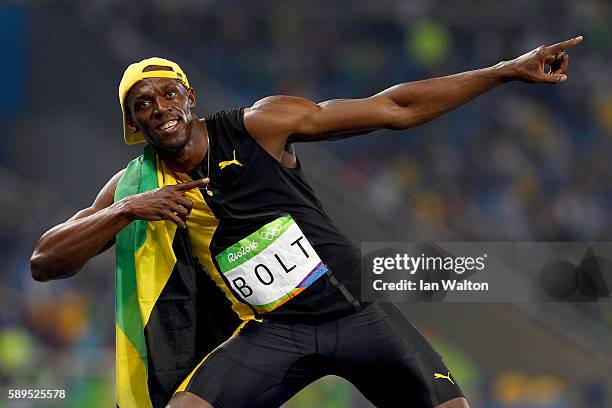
pixel 189 156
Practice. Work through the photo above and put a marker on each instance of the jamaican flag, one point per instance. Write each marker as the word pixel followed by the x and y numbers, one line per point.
pixel 170 313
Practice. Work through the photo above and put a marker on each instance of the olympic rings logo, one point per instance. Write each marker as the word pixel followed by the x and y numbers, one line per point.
pixel 271 232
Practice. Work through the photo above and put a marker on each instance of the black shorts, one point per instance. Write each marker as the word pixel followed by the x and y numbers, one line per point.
pixel 377 349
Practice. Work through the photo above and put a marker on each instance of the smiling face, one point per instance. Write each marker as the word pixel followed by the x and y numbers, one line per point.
pixel 161 109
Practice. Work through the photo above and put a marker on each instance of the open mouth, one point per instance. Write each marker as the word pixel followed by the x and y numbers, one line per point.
pixel 168 126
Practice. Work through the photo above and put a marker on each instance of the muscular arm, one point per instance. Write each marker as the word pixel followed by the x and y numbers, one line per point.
pixel 65 248
pixel 276 120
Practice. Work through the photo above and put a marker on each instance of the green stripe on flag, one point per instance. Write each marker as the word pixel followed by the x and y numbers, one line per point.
pixel 139 176
pixel 253 244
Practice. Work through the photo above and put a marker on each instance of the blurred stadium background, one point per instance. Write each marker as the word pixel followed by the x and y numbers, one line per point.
pixel 522 163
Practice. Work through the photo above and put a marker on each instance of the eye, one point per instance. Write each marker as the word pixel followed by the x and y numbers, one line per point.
pixel 140 105
pixel 170 94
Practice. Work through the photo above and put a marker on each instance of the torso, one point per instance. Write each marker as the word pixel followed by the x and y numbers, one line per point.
pixel 252 188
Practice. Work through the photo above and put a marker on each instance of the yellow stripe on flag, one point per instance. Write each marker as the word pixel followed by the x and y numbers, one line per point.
pixel 132 390
pixel 156 259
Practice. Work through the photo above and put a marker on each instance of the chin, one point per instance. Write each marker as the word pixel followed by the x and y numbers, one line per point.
pixel 173 143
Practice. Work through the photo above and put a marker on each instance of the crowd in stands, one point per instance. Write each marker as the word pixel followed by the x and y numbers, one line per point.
pixel 523 163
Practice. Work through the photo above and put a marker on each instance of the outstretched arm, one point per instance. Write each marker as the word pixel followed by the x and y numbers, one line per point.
pixel 276 120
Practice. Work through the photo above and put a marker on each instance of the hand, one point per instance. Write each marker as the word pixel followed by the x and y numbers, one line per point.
pixel 529 67
pixel 166 203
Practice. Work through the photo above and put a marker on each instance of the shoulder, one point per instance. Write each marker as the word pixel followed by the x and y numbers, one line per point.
pixel 280 104
pixel 278 116
pixel 107 193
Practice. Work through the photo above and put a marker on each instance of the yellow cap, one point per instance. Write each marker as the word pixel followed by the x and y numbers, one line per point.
pixel 135 73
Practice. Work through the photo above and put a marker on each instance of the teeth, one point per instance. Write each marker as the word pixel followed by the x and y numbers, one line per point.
pixel 168 124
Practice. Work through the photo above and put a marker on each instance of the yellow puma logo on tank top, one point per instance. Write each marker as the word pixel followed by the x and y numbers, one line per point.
pixel 226 163
pixel 447 376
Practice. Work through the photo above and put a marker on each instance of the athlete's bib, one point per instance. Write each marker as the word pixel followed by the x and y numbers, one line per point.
pixel 271 265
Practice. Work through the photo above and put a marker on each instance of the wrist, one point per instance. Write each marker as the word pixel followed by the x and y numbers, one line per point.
pixel 505 71
pixel 124 210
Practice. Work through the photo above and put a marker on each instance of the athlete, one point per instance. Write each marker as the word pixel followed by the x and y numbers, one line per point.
pixel 271 249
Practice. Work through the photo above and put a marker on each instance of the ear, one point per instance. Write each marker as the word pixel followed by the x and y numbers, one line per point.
pixel 191 98
pixel 130 123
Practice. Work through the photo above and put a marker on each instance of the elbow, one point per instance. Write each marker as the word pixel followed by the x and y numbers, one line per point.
pixel 44 269
pixel 398 117
pixel 406 118
pixel 39 268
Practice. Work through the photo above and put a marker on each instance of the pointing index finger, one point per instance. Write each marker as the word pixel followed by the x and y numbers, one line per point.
pixel 190 185
pixel 565 44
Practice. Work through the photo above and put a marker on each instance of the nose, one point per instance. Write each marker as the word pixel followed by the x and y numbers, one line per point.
pixel 161 106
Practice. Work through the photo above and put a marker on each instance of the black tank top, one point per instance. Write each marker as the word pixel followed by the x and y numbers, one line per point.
pixel 252 189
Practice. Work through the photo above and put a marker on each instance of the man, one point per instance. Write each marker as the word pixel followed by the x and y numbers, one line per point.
pixel 257 229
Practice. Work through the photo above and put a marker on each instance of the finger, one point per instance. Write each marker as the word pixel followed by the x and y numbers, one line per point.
pixel 550 58
pixel 170 216
pixel 553 78
pixel 565 44
pixel 564 64
pixel 555 61
pixel 190 185
pixel 180 211
pixel 185 202
pixel 560 66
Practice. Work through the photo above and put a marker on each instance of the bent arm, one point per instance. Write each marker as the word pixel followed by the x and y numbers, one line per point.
pixel 65 248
